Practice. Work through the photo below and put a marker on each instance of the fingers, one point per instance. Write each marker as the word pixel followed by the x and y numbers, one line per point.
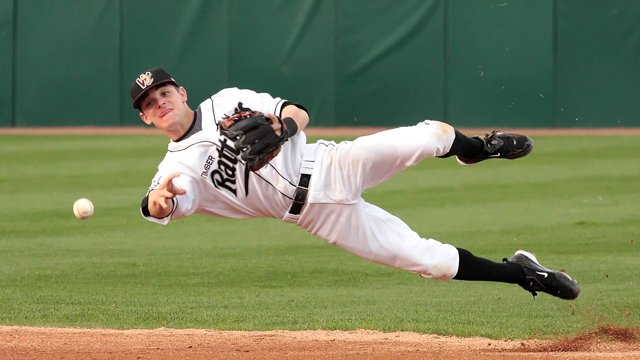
pixel 276 124
pixel 272 118
pixel 168 181
pixel 167 190
pixel 168 185
pixel 162 201
pixel 160 197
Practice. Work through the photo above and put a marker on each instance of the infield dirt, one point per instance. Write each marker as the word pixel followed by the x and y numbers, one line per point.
pixel 606 342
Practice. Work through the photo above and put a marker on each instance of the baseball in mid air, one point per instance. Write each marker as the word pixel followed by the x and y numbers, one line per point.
pixel 83 208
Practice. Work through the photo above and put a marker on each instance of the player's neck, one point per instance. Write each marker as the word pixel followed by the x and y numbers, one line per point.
pixel 183 127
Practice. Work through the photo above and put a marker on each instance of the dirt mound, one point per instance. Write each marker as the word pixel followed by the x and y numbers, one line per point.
pixel 16 342
pixel 604 338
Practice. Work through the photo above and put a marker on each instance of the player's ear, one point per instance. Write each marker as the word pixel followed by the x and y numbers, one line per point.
pixel 183 93
pixel 144 118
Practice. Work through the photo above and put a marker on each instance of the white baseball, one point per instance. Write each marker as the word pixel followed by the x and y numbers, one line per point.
pixel 83 208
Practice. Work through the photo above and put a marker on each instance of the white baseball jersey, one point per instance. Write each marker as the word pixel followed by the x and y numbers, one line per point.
pixel 216 179
pixel 217 183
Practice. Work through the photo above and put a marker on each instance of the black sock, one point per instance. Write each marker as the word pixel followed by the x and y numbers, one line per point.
pixel 475 268
pixel 464 146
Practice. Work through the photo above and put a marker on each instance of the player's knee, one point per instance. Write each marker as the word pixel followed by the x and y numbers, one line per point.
pixel 442 261
pixel 439 134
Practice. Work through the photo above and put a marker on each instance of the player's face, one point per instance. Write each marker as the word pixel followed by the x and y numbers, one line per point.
pixel 165 107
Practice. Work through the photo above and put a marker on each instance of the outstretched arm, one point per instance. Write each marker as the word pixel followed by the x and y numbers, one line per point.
pixel 161 199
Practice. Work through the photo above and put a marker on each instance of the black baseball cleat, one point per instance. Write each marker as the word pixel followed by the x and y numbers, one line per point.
pixel 539 278
pixel 500 145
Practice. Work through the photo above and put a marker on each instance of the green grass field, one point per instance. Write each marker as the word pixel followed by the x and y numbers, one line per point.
pixel 573 201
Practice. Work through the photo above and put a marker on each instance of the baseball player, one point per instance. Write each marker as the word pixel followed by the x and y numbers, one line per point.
pixel 243 154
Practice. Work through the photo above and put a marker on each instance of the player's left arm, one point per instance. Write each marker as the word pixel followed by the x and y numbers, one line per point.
pixel 293 117
pixel 297 114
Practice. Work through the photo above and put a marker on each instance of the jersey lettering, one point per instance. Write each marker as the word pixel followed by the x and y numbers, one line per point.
pixel 224 176
pixel 207 166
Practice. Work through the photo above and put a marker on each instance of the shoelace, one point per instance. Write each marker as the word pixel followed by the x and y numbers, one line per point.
pixel 491 141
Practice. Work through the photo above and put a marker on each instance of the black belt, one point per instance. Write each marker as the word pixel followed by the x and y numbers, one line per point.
pixel 300 196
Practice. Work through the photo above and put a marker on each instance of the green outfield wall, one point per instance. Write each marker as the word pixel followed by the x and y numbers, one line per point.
pixel 515 63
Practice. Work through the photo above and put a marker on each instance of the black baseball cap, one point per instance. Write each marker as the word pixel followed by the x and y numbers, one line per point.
pixel 147 81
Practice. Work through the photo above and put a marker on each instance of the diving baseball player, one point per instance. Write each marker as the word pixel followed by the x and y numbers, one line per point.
pixel 243 154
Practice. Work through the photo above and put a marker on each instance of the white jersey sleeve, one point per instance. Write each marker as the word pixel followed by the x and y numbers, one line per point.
pixel 250 99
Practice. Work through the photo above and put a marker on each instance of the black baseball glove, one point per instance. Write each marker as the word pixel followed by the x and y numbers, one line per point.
pixel 252 134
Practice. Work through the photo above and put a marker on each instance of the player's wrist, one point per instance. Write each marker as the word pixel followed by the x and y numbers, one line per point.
pixel 289 126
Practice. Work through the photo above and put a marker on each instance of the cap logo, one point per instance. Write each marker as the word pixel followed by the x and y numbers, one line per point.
pixel 144 80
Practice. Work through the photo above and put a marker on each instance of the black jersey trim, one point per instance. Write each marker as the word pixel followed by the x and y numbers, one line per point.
pixel 144 205
pixel 213 111
pixel 279 104
pixel 287 103
pixel 196 125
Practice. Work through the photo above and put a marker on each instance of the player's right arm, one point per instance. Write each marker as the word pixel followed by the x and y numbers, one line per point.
pixel 171 196
pixel 160 200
